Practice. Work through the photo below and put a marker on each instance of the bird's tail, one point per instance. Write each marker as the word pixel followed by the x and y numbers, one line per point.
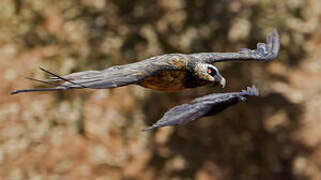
pixel 70 81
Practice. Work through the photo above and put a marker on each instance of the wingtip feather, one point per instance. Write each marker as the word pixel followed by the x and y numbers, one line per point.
pixel 275 43
pixel 148 128
pixel 14 92
pixel 251 91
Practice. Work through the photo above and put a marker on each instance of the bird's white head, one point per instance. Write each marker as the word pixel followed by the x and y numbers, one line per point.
pixel 209 72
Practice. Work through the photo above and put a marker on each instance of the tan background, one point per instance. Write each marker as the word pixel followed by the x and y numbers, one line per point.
pixel 95 134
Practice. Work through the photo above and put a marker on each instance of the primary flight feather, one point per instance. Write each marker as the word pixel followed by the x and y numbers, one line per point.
pixel 204 106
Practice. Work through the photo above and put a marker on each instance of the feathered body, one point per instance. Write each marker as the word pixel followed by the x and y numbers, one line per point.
pixel 169 72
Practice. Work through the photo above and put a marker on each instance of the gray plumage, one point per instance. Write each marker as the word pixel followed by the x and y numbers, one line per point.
pixel 263 52
pixel 204 106
pixel 169 72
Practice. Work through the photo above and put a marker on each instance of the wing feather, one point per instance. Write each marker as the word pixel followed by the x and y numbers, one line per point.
pixel 264 52
pixel 204 106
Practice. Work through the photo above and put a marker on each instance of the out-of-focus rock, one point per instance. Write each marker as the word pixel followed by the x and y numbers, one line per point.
pixel 96 134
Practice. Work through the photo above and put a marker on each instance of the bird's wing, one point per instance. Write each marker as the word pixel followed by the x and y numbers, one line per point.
pixel 203 106
pixel 264 52
pixel 115 76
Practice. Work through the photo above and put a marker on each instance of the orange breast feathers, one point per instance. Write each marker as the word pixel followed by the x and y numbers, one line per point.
pixel 166 81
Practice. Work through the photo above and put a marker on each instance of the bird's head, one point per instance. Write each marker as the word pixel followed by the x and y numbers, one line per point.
pixel 210 73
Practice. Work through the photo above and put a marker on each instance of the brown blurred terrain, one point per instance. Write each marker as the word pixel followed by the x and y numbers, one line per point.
pixel 96 134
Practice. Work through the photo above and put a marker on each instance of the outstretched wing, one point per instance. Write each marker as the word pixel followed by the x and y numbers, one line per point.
pixel 264 52
pixel 112 77
pixel 203 106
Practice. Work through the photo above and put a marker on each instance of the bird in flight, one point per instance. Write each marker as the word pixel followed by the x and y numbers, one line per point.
pixel 169 72
pixel 204 106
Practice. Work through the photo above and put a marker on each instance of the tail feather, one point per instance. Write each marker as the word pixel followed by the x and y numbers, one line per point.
pixel 42 81
pixel 71 81
pixel 62 78
pixel 83 79
pixel 78 75
pixel 37 90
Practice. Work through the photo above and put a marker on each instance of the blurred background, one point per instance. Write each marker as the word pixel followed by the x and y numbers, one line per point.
pixel 96 134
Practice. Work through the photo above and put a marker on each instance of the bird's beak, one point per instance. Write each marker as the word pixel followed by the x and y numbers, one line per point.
pixel 223 82
pixel 220 80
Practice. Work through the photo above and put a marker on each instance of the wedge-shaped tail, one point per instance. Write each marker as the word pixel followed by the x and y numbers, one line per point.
pixel 203 106
pixel 112 77
pixel 75 80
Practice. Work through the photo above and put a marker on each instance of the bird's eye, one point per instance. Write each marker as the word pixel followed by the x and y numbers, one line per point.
pixel 211 71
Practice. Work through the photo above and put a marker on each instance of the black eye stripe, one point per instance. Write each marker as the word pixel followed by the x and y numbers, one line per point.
pixel 212 71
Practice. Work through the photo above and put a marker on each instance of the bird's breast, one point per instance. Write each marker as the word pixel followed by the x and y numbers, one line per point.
pixel 166 81
pixel 177 74
pixel 172 81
